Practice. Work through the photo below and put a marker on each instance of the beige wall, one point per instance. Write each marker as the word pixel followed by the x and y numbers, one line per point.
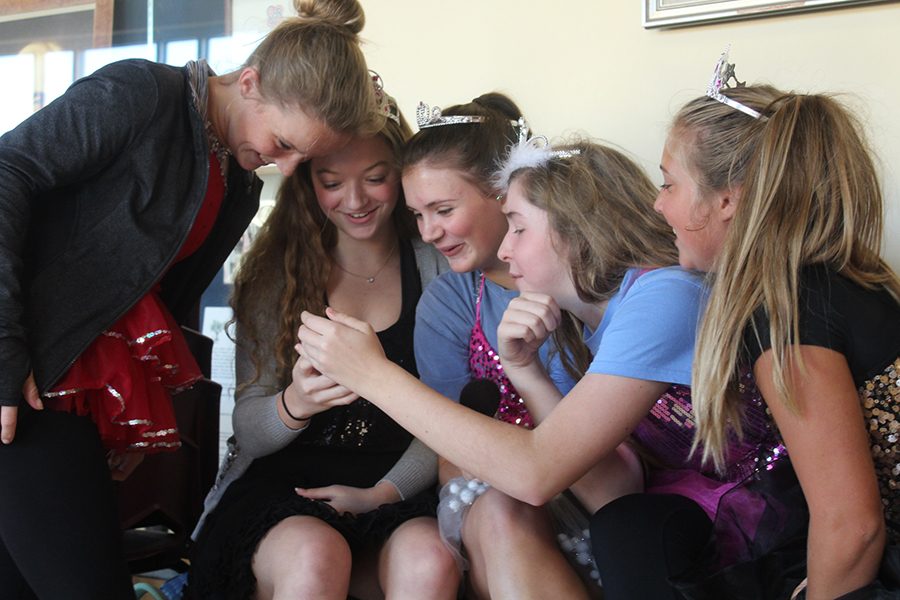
pixel 589 66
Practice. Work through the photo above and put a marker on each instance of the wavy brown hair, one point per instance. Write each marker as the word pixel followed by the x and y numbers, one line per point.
pixel 288 265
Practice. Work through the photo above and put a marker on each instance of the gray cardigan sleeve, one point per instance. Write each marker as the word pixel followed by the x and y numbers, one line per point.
pixel 258 429
pixel 415 471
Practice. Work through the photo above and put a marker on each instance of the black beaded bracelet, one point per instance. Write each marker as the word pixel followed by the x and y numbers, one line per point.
pixel 288 411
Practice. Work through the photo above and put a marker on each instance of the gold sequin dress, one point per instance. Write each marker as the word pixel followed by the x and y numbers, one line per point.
pixel 864 326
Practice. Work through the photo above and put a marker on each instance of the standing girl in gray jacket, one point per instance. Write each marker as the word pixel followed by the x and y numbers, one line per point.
pixel 119 202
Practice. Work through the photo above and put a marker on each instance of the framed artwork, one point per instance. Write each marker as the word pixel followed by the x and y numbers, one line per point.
pixel 680 13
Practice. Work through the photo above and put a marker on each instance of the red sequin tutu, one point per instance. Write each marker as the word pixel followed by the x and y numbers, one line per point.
pixel 125 378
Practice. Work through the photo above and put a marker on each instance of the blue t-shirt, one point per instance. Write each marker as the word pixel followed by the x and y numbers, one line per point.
pixel 649 327
pixel 445 316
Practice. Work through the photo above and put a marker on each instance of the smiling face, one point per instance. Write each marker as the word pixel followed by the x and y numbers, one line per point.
pixel 456 216
pixel 530 248
pixel 357 187
pixel 261 132
pixel 700 224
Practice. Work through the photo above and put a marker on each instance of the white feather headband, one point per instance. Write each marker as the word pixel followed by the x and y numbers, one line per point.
pixel 527 153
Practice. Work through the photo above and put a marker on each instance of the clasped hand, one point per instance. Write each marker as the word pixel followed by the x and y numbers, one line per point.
pixel 311 392
pixel 528 321
pixel 340 347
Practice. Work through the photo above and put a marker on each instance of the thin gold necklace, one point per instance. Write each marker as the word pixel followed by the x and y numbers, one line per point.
pixel 377 273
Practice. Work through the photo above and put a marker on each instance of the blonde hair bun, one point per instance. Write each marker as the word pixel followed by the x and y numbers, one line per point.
pixel 314 62
pixel 344 13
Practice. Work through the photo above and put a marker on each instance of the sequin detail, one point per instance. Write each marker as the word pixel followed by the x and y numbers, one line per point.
pixel 484 363
pixel 124 380
pixel 350 431
pixel 361 426
pixel 880 397
pixel 668 433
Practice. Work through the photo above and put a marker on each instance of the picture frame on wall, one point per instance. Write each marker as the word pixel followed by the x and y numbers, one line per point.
pixel 682 13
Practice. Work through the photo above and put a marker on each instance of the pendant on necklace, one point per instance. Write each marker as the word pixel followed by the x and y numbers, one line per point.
pixel 369 280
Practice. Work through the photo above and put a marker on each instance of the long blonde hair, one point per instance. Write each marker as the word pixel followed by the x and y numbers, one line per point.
pixel 809 195
pixel 313 61
pixel 289 263
pixel 599 204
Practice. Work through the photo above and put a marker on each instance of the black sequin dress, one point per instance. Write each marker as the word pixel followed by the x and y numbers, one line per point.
pixel 354 445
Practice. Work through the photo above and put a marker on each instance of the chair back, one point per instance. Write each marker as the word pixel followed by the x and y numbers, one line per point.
pixel 160 502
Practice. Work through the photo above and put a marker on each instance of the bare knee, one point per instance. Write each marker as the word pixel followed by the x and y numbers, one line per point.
pixel 415 563
pixel 504 539
pixel 497 518
pixel 498 526
pixel 302 557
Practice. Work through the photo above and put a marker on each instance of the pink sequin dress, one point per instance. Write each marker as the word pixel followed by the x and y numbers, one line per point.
pixel 569 522
pixel 484 363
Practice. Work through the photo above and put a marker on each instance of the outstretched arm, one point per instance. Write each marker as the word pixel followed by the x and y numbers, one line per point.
pixel 829 448
pixel 532 466
pixel 527 323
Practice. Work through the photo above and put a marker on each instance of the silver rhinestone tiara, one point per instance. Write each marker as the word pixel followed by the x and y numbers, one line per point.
pixel 384 102
pixel 431 117
pixel 531 152
pixel 722 75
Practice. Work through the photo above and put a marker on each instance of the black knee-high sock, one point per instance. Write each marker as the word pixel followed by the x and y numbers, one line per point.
pixel 641 540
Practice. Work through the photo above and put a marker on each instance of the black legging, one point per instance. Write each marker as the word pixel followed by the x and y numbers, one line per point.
pixel 641 540
pixel 59 529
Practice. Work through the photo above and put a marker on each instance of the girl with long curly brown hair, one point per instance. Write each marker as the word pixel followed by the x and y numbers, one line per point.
pixel 316 498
